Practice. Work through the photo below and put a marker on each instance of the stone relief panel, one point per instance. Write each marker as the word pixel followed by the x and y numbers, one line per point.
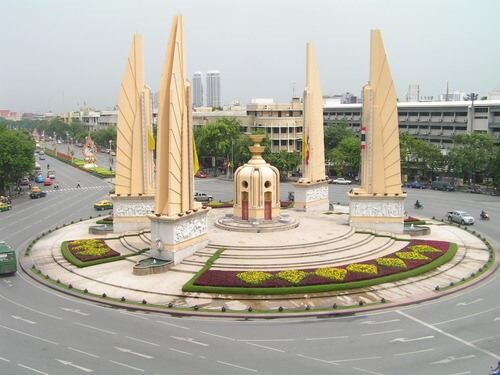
pixel 317 194
pixel 132 208
pixel 190 229
pixel 377 209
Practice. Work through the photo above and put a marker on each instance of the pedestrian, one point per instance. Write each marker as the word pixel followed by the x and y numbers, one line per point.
pixel 78 185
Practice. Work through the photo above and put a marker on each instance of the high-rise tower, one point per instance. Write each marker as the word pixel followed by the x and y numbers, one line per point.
pixel 198 89
pixel 213 89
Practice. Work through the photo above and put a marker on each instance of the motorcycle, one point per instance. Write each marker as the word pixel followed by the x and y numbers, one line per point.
pixel 418 206
pixel 291 196
pixel 484 216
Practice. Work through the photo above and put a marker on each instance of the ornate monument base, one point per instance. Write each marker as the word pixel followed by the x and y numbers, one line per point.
pixel 381 213
pixel 311 196
pixel 176 238
pixel 129 212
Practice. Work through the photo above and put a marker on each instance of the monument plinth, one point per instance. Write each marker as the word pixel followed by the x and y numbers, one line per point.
pixel 130 212
pixel 177 237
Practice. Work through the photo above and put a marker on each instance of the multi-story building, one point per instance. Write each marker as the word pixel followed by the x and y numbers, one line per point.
pixel 413 94
pixel 198 89
pixel 282 122
pixel 434 122
pixel 214 89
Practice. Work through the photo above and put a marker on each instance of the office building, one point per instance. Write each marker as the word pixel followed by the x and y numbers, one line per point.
pixel 213 89
pixel 198 89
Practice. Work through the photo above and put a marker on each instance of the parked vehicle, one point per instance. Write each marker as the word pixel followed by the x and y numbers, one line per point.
pixel 25 181
pixel 103 205
pixel 8 261
pixel 460 217
pixel 341 181
pixel 202 197
pixel 442 185
pixel 416 185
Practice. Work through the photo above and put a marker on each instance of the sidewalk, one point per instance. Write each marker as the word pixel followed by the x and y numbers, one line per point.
pixel 117 281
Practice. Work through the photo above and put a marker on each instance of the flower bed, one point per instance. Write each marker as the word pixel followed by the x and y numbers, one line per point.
pixel 417 254
pixel 90 250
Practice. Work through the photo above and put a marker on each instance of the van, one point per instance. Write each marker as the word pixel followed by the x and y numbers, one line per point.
pixel 442 185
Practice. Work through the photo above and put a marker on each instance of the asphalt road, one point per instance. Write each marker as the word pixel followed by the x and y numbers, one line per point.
pixel 43 332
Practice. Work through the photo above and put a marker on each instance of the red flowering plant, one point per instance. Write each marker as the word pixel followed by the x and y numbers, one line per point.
pixel 416 254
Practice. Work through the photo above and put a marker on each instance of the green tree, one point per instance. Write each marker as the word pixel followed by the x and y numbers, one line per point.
pixel 346 157
pixel 103 136
pixel 471 154
pixel 334 133
pixel 217 139
pixel 16 157
pixel 285 161
pixel 494 168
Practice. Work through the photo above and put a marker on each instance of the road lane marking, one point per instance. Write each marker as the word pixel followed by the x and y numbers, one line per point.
pixel 467 316
pixel 32 369
pixel 4 359
pixel 68 363
pixel 23 320
pixel 76 311
pixel 143 341
pixel 265 347
pixel 266 340
pixel 129 351
pixel 171 324
pixel 124 365
pixel 240 367
pixel 452 358
pixel 465 342
pixel 368 371
pixel 381 333
pixel 219 336
pixel 81 351
pixel 415 352
pixel 469 303
pixel 27 334
pixel 405 339
pixel 30 309
pixel 316 359
pixel 326 338
pixel 189 339
pixel 383 322
pixel 180 351
pixel 97 329
pixel 356 359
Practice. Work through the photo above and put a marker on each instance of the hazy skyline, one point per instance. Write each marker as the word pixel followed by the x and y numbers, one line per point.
pixel 58 55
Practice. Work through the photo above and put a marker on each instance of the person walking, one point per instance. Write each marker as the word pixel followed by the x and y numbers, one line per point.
pixel 78 185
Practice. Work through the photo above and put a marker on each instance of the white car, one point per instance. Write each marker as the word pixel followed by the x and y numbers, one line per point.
pixel 202 197
pixel 341 181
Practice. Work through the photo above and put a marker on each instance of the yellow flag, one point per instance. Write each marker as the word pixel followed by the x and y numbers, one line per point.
pixel 151 141
pixel 196 163
pixel 305 147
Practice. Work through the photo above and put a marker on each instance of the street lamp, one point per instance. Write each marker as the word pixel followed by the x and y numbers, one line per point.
pixel 472 96
pixel 110 156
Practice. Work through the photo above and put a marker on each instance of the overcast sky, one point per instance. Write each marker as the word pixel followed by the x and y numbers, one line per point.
pixel 59 54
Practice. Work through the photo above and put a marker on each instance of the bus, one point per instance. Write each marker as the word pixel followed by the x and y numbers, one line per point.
pixel 8 261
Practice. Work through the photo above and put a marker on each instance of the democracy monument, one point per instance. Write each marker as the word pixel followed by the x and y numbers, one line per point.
pixel 160 196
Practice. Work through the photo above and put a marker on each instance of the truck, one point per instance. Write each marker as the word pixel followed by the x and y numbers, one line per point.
pixel 460 217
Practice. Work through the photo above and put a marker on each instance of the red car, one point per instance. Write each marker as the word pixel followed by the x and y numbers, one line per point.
pixel 47 182
pixel 200 174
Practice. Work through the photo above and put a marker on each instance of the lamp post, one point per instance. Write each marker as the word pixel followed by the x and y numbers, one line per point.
pixel 472 97
pixel 110 156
